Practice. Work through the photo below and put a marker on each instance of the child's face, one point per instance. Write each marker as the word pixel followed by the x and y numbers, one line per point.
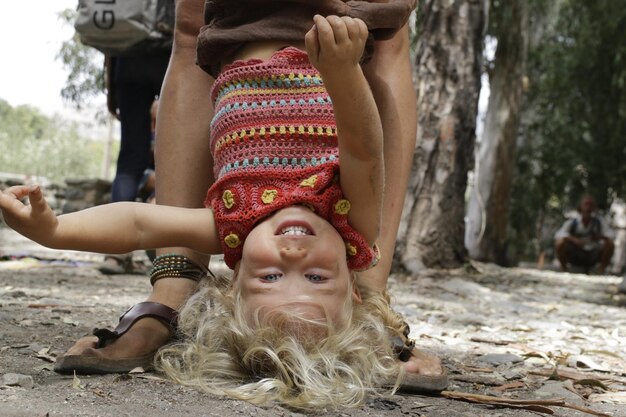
pixel 295 261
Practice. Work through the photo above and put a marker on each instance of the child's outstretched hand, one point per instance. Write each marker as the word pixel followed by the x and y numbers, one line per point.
pixel 35 221
pixel 335 43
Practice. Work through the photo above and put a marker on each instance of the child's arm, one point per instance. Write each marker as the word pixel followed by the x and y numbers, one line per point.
pixel 110 228
pixel 335 46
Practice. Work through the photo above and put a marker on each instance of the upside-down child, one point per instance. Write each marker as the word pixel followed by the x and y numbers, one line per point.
pixel 297 144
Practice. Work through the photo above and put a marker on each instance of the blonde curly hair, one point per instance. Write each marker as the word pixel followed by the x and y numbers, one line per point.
pixel 220 353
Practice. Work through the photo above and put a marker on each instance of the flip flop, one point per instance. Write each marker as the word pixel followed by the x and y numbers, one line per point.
pixel 413 383
pixel 92 361
pixel 421 384
pixel 424 384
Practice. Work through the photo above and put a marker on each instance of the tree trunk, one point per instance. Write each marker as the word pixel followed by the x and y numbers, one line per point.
pixel 448 67
pixel 488 208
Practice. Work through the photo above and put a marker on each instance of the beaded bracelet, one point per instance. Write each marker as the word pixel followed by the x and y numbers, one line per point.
pixel 171 265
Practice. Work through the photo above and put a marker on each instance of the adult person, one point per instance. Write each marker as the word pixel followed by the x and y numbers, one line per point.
pixel 585 239
pixel 133 82
pixel 184 171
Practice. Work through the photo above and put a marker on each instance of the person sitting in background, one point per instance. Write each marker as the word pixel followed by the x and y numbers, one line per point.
pixel 585 240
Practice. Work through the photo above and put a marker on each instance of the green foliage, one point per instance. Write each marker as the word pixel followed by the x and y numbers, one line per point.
pixel 34 144
pixel 572 138
pixel 85 68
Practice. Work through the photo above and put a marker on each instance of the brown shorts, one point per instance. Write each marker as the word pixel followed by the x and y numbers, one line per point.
pixel 582 257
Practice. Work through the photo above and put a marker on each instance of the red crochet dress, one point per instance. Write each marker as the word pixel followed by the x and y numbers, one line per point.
pixel 274 143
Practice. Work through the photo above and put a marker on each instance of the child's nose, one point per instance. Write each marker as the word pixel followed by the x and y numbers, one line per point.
pixel 293 252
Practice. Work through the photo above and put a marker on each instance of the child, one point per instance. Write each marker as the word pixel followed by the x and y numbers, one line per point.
pixel 292 228
pixel 277 178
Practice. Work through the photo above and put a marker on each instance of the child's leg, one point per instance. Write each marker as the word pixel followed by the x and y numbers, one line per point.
pixel 184 172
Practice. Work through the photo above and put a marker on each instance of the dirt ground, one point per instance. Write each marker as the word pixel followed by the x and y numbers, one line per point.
pixel 556 340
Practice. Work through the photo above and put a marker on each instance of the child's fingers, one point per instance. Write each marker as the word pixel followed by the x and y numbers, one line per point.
pixel 37 201
pixel 18 192
pixel 325 33
pixel 340 31
pixel 10 201
pixel 357 29
pixel 312 43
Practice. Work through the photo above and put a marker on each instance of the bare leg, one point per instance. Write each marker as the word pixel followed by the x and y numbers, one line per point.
pixel 605 255
pixel 184 172
pixel 390 77
pixel 184 168
pixel 561 253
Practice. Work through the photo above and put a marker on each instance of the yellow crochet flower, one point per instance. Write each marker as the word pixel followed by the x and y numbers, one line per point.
pixel 232 241
pixel 351 249
pixel 342 207
pixel 229 198
pixel 309 182
pixel 269 196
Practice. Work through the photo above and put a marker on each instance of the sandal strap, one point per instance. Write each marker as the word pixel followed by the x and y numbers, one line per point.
pixel 402 348
pixel 161 312
pixel 401 344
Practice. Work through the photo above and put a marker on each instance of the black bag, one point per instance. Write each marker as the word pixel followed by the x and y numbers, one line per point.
pixel 126 27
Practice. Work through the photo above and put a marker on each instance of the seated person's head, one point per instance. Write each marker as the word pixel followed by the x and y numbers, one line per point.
pixel 587 206
pixel 294 263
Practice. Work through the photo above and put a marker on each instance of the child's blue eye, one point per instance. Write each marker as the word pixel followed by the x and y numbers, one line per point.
pixel 271 277
pixel 315 278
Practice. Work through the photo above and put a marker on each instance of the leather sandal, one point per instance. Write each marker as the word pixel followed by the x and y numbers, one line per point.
pixel 92 361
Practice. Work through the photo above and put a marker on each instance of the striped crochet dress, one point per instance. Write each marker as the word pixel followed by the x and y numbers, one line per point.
pixel 274 144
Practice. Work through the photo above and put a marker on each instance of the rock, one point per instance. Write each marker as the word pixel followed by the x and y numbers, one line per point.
pixel 556 389
pixel 18 380
pixel 497 359
pixel 511 374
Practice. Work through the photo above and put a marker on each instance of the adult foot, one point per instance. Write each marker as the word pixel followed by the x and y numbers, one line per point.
pixel 424 373
pixel 115 266
pixel 134 348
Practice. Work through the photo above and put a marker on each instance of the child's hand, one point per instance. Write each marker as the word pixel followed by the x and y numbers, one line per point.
pixel 335 43
pixel 35 221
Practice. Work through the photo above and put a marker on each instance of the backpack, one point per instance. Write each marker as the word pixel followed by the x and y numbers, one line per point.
pixel 126 27
pixel 594 229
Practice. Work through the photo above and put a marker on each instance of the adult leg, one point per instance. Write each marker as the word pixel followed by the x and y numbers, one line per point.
pixel 389 74
pixel 137 80
pixel 135 96
pixel 183 174
pixel 606 253
pixel 390 77
pixel 561 247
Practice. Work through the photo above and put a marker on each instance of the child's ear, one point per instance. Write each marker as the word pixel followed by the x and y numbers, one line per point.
pixel 235 273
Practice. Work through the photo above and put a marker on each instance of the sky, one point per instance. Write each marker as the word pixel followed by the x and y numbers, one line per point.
pixel 30 37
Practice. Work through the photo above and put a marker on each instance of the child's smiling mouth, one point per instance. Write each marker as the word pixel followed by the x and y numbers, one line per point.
pixel 295 231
